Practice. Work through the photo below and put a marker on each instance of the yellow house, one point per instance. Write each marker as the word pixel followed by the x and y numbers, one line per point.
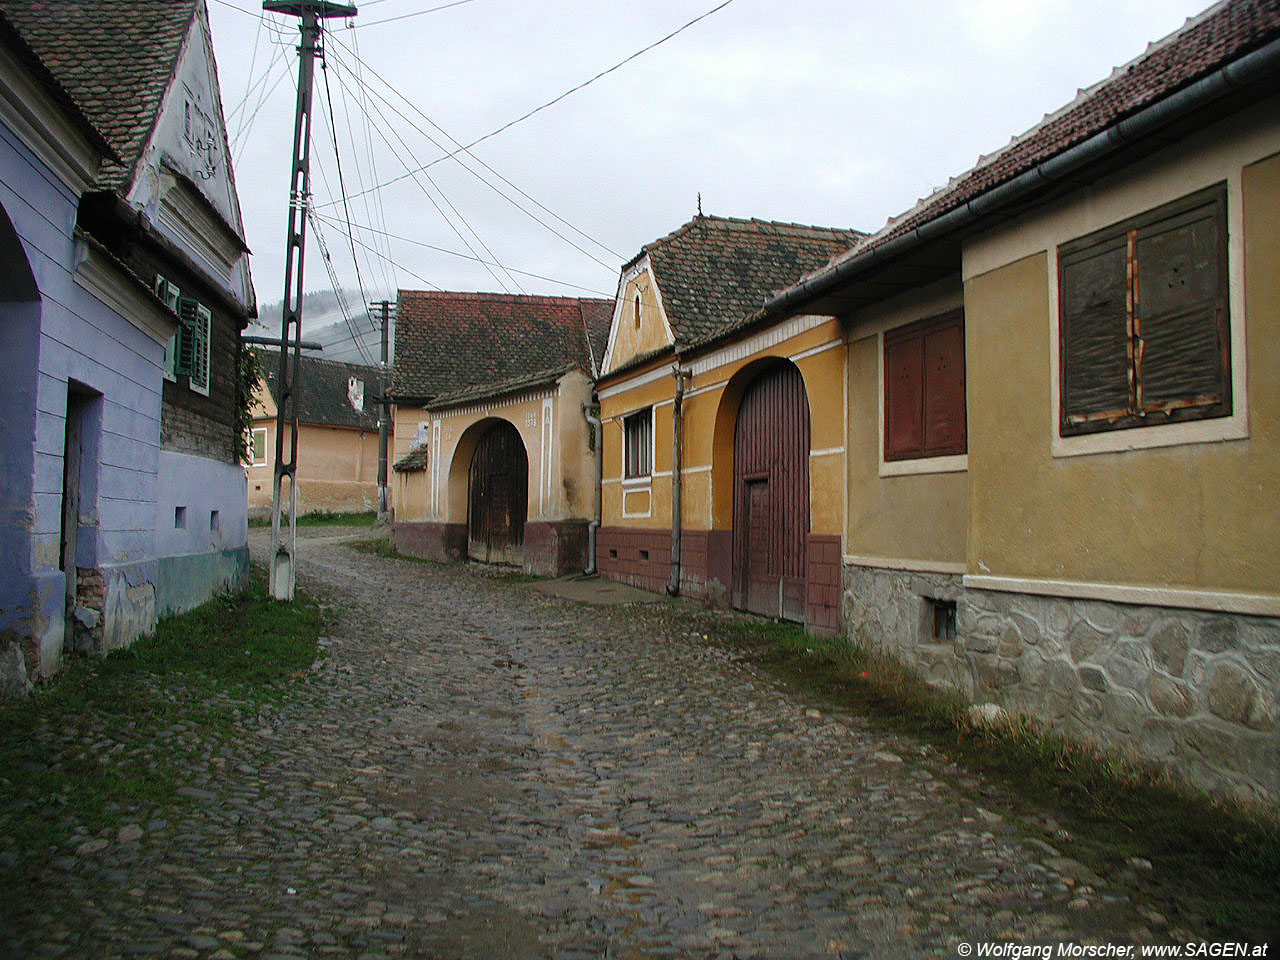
pixel 493 457
pixel 722 442
pixel 1061 492
pixel 337 436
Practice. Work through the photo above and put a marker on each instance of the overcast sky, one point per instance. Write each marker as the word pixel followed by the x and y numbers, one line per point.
pixel 813 111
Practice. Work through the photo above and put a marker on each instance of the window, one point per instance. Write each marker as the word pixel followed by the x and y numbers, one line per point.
pixel 193 345
pixel 1143 335
pixel 636 304
pixel 924 407
pixel 180 518
pixel 637 432
pixel 170 294
pixel 259 446
pixel 943 617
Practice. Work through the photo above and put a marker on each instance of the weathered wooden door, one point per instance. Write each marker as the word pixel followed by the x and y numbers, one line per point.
pixel 771 495
pixel 498 496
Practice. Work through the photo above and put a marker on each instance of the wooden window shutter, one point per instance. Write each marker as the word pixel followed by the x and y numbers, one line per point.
pixel 904 397
pixel 1180 313
pixel 1095 339
pixel 1145 321
pixel 944 401
pixel 193 343
pixel 186 336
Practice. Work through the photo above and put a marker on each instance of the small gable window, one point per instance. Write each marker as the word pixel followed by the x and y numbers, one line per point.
pixel 1143 319
pixel 637 431
pixel 924 402
pixel 636 310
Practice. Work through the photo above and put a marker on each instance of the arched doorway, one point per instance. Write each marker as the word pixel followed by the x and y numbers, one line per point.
pixel 497 496
pixel 771 494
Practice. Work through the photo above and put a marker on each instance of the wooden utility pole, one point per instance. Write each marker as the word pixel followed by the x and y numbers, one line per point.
pixel 283 532
pixel 384 409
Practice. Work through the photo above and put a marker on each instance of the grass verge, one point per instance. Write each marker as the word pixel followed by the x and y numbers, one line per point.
pixel 1221 858
pixel 111 737
pixel 325 518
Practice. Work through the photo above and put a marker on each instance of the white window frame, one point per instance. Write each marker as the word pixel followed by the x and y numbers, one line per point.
pixel 265 456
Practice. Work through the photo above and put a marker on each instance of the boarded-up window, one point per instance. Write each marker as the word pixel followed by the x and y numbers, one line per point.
pixel 924 406
pixel 637 432
pixel 1144 321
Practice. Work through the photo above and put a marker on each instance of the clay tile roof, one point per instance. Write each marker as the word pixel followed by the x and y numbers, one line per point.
pixel 502 388
pixel 447 342
pixel 415 461
pixel 14 38
pixel 1224 32
pixel 114 57
pixel 715 270
pixel 322 390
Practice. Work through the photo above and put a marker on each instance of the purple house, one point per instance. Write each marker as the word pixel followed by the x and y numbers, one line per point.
pixel 126 284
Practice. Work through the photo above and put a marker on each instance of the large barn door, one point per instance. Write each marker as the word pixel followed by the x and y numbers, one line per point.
pixel 498 496
pixel 771 495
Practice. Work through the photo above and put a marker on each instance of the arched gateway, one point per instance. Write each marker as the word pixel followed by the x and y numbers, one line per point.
pixel 771 494
pixel 498 496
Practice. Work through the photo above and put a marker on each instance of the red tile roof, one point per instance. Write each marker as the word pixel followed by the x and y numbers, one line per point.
pixel 115 58
pixel 447 342
pixel 1224 32
pixel 715 270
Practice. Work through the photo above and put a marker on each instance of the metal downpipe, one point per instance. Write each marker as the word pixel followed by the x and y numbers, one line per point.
pixel 598 432
pixel 677 482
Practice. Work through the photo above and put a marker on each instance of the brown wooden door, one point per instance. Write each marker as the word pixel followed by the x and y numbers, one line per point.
pixel 771 495
pixel 498 496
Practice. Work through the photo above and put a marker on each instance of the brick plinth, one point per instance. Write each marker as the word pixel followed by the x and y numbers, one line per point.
pixel 431 541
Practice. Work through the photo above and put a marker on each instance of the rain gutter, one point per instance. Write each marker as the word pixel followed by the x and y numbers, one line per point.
pixel 1251 68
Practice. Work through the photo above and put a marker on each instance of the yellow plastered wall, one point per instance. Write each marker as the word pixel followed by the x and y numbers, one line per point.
pixel 551 425
pixel 337 469
pixel 1198 515
pixel 709 415
pixel 630 339
pixel 915 518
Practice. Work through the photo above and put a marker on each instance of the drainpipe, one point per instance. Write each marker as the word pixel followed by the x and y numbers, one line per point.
pixel 593 418
pixel 677 481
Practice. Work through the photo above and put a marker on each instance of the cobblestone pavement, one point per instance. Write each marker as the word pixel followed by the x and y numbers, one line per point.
pixel 479 770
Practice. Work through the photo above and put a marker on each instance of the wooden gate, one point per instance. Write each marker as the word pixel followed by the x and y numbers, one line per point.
pixel 771 495
pixel 498 496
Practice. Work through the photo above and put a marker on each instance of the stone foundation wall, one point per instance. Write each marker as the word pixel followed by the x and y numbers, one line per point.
pixel 1196 691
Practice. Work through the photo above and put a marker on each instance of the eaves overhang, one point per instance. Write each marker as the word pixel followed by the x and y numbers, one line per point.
pixel 879 269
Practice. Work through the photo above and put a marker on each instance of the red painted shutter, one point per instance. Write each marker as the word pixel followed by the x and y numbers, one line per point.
pixel 903 401
pixel 944 406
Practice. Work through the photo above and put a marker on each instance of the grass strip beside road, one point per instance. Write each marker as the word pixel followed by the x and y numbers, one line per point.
pixel 108 740
pixel 325 518
pixel 1102 808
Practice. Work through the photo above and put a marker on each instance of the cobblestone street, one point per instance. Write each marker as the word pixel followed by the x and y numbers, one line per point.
pixel 478 770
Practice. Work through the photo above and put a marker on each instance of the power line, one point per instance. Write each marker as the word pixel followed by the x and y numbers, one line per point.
pixel 406 16
pixel 454 253
pixel 428 194
pixel 555 100
pixel 534 217
pixel 342 187
pixel 464 150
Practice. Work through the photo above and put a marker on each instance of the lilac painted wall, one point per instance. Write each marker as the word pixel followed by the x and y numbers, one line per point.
pixel 70 335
